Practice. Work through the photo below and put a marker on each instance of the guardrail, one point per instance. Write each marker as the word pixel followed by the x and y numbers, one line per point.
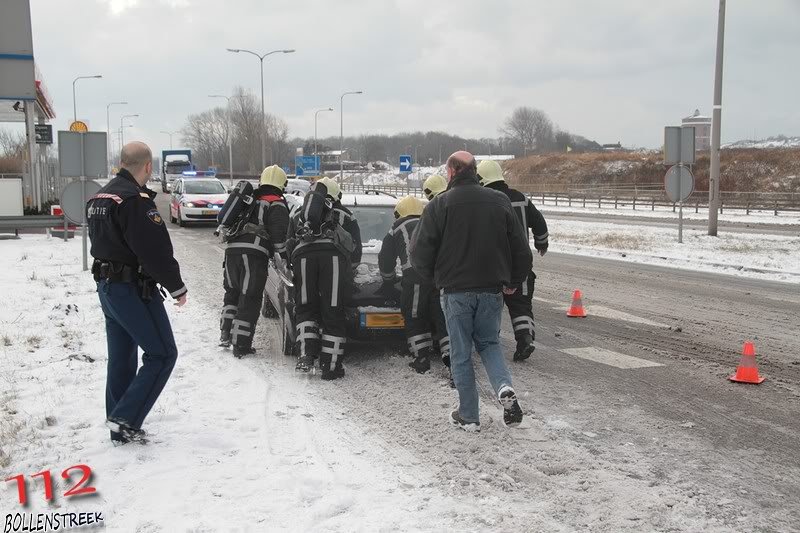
pixel 651 199
pixel 17 223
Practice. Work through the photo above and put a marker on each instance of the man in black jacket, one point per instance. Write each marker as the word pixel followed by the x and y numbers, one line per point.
pixel 133 253
pixel 247 260
pixel 470 243
pixel 324 245
pixel 520 303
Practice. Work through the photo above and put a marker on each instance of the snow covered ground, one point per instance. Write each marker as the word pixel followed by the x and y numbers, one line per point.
pixel 665 213
pixel 232 449
pixel 762 256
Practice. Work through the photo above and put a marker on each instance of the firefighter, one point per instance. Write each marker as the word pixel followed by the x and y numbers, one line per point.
pixel 433 186
pixel 519 304
pixel 132 253
pixel 418 297
pixel 260 233
pixel 322 252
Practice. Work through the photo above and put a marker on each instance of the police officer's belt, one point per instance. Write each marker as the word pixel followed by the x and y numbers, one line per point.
pixel 116 272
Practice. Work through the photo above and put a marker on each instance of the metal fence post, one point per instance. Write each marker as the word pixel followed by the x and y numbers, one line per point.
pixel 599 202
pixel 634 203
pixel 584 201
pixel 569 199
pixel 615 202
pixel 653 206
pixel 776 208
pixel 697 206
pixel 748 208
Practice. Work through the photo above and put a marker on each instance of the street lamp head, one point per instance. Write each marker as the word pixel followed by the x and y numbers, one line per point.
pixel 288 51
pixel 330 109
pixel 359 92
pixel 97 76
pixel 234 50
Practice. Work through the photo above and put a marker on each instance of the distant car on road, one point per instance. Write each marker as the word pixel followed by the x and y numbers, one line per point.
pixel 370 314
pixel 196 199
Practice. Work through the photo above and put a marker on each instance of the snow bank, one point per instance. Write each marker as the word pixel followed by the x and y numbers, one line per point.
pixel 762 256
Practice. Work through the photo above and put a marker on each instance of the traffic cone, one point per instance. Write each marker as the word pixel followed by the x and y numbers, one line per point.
pixel 576 310
pixel 747 371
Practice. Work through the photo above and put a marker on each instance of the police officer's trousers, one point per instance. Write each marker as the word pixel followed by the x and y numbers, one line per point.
pixel 423 316
pixel 521 309
pixel 132 323
pixel 244 280
pixel 321 285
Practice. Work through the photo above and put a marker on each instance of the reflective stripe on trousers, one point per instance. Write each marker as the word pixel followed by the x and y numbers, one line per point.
pixel 334 346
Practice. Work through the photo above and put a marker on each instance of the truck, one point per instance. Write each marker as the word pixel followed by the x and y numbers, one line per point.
pixel 173 164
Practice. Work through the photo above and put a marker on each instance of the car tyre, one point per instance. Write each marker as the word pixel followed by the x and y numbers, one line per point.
pixel 181 223
pixel 172 218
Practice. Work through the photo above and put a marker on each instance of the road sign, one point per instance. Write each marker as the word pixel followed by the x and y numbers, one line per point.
pixel 17 70
pixel 79 126
pixel 405 163
pixel 44 134
pixel 679 183
pixel 82 154
pixel 73 200
pixel 307 165
pixel 679 146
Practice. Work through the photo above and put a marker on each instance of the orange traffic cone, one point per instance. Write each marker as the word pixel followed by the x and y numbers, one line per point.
pixel 576 310
pixel 747 371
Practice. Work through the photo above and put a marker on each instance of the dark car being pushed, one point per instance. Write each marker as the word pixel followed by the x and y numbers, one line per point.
pixel 370 312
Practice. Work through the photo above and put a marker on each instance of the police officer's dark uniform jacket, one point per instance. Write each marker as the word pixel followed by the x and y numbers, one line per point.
pixel 442 250
pixel 133 252
pixel 246 264
pixel 419 298
pixel 322 272
pixel 519 304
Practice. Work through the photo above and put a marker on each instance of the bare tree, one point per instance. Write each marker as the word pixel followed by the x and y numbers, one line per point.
pixel 12 143
pixel 531 128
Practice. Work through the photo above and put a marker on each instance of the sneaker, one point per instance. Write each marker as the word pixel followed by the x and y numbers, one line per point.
pixel 241 351
pixel 336 373
pixel 421 363
pixel 512 412
pixel 305 364
pixel 225 339
pixel 122 433
pixel 457 421
pixel 525 348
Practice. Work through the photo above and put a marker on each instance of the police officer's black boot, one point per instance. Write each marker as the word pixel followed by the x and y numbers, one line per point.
pixel 225 339
pixel 241 351
pixel 525 347
pixel 422 362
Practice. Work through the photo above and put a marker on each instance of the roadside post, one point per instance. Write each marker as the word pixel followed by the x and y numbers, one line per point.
pixel 679 151
pixel 81 155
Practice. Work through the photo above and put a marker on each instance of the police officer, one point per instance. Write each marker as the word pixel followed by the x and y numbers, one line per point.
pixel 132 253
pixel 519 304
pixel 247 253
pixel 418 296
pixel 324 243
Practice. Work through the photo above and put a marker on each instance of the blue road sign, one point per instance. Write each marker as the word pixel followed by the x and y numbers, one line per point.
pixel 306 165
pixel 405 163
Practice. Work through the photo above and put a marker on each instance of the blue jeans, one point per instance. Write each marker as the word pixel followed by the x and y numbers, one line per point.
pixel 474 317
pixel 133 323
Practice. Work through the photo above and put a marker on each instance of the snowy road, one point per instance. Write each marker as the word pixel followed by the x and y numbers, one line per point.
pixel 608 448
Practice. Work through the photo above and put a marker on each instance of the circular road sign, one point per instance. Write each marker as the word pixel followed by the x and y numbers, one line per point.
pixel 79 126
pixel 73 202
pixel 678 183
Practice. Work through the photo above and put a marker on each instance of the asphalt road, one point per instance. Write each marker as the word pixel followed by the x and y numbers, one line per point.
pixel 613 444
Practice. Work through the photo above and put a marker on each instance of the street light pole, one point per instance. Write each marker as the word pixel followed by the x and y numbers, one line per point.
pixel 108 127
pixel 341 133
pixel 74 100
pixel 263 115
pixel 122 133
pixel 230 135
pixel 317 112
pixel 716 123
pixel 170 133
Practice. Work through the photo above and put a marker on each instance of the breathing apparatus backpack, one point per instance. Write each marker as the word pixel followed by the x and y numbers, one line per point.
pixel 235 214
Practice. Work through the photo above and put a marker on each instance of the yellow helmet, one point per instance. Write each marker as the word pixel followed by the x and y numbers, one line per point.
pixel 275 176
pixel 408 206
pixel 434 186
pixel 489 171
pixel 331 186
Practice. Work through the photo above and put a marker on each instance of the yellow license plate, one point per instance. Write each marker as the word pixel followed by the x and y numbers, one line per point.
pixel 385 320
pixel 210 212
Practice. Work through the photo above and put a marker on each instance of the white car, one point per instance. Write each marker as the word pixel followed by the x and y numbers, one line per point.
pixel 196 200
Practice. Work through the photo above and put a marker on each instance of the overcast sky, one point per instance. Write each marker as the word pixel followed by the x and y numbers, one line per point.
pixel 616 70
